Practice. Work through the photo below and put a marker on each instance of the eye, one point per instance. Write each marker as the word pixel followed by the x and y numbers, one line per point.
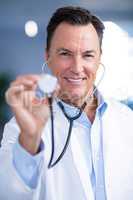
pixel 88 55
pixel 64 53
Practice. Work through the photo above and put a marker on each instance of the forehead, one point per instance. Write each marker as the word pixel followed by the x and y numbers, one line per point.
pixel 75 37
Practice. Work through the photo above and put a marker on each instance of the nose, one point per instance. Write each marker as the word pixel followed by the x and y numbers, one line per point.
pixel 77 64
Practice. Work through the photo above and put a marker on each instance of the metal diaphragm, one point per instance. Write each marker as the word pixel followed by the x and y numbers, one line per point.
pixel 46 86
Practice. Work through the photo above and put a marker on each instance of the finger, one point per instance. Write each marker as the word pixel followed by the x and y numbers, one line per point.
pixel 37 102
pixel 30 97
pixel 41 112
pixel 32 77
pixel 11 93
pixel 26 100
pixel 57 91
pixel 26 80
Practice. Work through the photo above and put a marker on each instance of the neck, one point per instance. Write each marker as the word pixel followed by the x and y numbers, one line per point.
pixel 90 108
pixel 76 100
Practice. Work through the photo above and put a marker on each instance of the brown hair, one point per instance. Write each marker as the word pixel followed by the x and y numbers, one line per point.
pixel 74 16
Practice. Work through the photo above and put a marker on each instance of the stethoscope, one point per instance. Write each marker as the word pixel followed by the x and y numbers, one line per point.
pixel 70 120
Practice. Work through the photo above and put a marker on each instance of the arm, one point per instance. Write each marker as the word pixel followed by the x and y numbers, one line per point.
pixel 11 184
pixel 28 166
pixel 31 119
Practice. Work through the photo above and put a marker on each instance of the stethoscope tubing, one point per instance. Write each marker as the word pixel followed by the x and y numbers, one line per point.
pixel 71 120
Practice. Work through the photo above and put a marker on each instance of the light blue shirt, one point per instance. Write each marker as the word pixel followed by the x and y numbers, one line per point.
pixel 91 142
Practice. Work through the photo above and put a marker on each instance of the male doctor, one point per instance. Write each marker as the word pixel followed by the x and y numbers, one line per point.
pixel 98 161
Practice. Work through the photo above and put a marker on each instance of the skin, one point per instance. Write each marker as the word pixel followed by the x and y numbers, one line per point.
pixel 73 57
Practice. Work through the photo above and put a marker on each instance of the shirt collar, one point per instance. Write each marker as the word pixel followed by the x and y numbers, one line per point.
pixel 72 110
pixel 102 104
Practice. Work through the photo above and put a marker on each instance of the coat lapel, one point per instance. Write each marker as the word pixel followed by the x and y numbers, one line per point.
pixel 81 166
pixel 117 152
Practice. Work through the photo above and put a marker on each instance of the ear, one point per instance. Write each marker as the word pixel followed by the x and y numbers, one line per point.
pixel 46 56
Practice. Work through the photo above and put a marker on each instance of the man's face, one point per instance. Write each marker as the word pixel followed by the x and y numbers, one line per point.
pixel 74 57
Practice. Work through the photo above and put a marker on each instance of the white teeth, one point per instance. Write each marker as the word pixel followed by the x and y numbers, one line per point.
pixel 76 81
pixel 70 79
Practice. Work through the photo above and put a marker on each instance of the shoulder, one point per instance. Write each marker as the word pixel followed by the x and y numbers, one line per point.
pixel 118 109
pixel 115 104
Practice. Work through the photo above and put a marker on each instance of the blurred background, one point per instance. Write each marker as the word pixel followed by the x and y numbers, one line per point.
pixel 22 43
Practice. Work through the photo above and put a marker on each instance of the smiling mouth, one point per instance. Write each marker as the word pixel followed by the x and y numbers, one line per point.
pixel 75 81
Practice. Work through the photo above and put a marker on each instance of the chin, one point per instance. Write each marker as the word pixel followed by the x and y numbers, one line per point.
pixel 76 97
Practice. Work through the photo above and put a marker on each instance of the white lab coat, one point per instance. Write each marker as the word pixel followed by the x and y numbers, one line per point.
pixel 67 180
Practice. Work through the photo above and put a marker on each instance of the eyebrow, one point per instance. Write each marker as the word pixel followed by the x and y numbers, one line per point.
pixel 90 51
pixel 67 50
pixel 63 49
